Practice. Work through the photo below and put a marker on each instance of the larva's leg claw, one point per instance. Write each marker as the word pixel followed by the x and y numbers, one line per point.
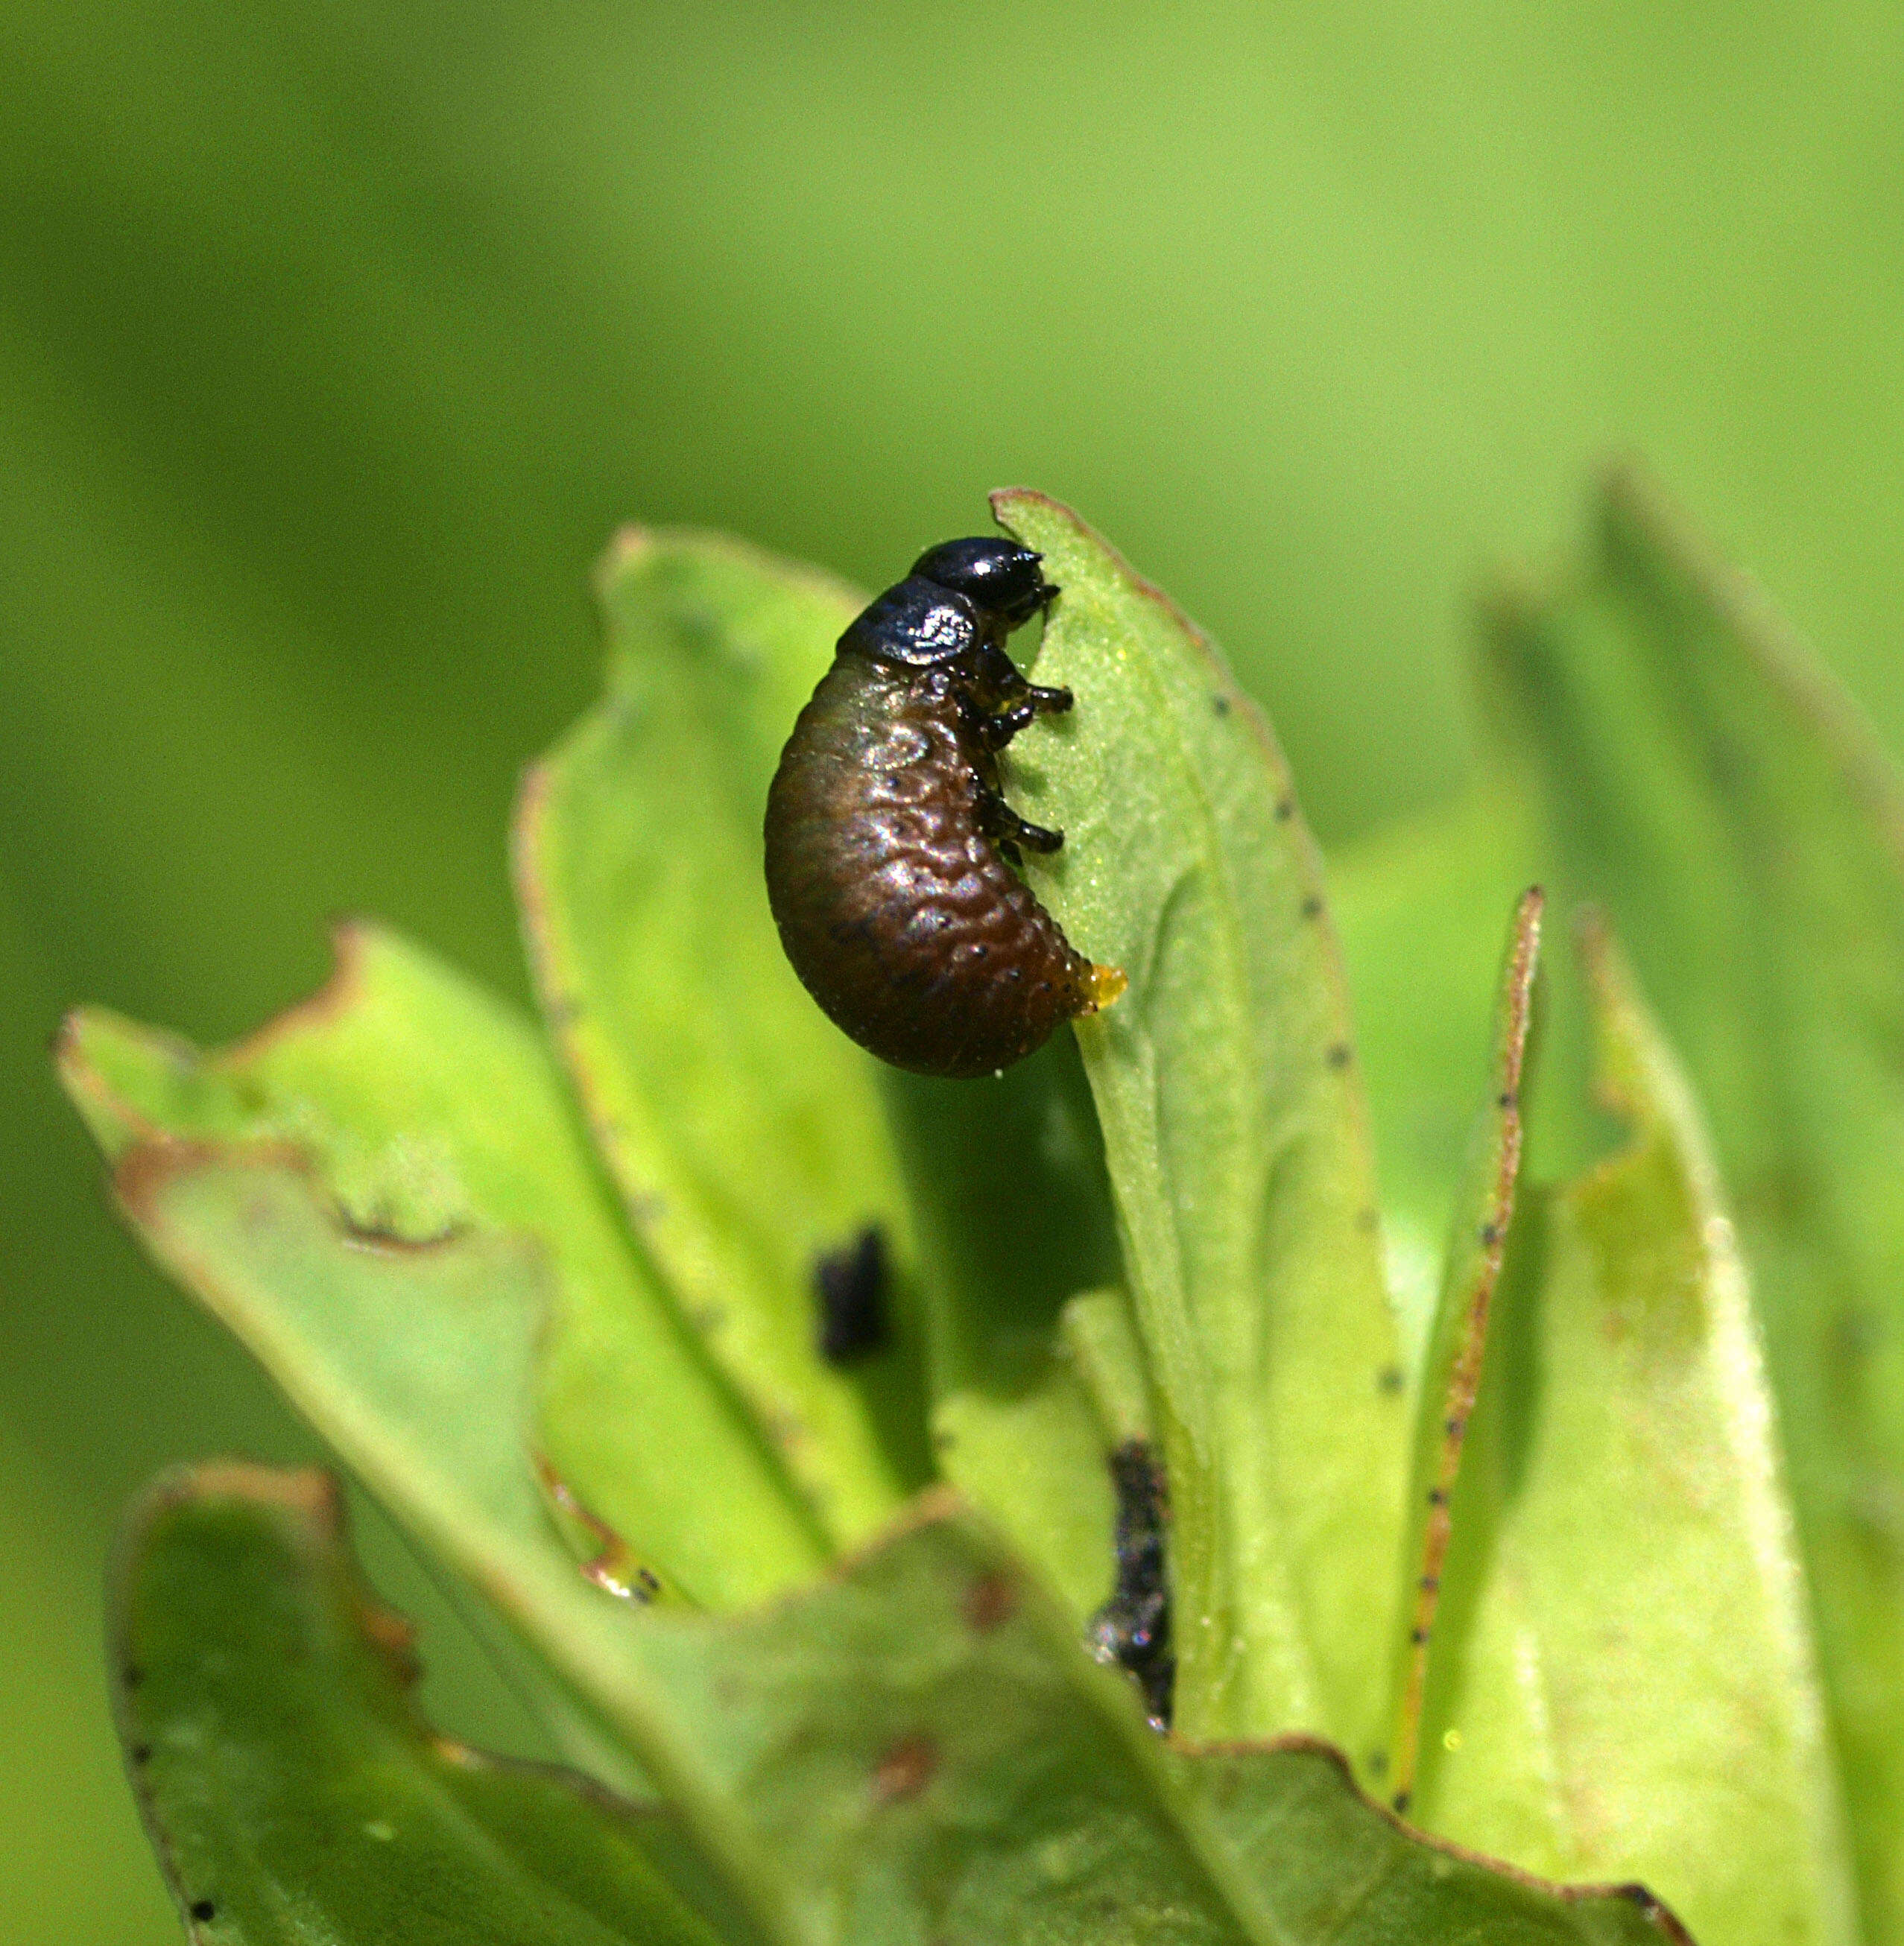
pixel 1050 702
pixel 999 729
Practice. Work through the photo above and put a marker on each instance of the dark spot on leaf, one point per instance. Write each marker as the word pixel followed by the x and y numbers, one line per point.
pixel 1400 1803
pixel 1418 1636
pixel 1133 1628
pixel 989 1602
pixel 1436 1498
pixel 1511 1101
pixel 1221 704
pixel 140 1753
pixel 1391 1378
pixel 850 1287
pixel 1338 1055
pixel 1378 1763
pixel 134 1676
pixel 1312 907
pixel 1368 1222
pixel 1456 1427
pixel 1285 809
pixel 944 1440
pixel 1490 1235
pixel 906 1769
pixel 1431 1582
pixel 202 1910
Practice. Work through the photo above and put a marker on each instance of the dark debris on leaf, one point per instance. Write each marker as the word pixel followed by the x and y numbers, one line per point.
pixel 850 1287
pixel 1133 1628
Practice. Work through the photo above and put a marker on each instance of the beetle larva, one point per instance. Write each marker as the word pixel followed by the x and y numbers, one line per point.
pixel 890 846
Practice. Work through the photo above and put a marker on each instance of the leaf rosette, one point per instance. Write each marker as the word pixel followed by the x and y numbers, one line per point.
pixel 1509 1550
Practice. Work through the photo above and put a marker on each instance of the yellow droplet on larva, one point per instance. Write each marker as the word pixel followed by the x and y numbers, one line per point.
pixel 1105 983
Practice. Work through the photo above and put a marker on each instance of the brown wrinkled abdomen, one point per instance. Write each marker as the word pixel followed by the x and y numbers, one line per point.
pixel 898 914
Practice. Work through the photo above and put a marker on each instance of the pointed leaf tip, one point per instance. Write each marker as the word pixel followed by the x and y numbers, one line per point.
pixel 1226 1085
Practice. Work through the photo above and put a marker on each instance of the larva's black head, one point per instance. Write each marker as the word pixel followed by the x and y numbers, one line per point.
pixel 1001 580
pixel 916 623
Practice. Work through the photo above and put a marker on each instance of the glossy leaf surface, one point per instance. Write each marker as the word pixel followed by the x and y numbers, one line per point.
pixel 293 1791
pixel 1233 1128
pixel 1707 784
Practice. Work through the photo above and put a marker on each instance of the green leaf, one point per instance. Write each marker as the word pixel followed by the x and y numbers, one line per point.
pixel 931 1756
pixel 1234 1132
pixel 1484 1208
pixel 1330 1867
pixel 431 1110
pixel 404 1359
pixel 1622 1677
pixel 1099 1335
pixel 920 1747
pixel 1008 1176
pixel 745 1134
pixel 292 1791
pixel 417 1363
pixel 1707 784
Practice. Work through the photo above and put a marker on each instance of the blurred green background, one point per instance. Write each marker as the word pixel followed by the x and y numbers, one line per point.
pixel 335 338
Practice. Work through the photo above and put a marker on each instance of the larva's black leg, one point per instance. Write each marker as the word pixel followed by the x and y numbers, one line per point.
pixel 1010 852
pixel 1035 837
pixel 1050 702
pixel 999 729
pixel 997 819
